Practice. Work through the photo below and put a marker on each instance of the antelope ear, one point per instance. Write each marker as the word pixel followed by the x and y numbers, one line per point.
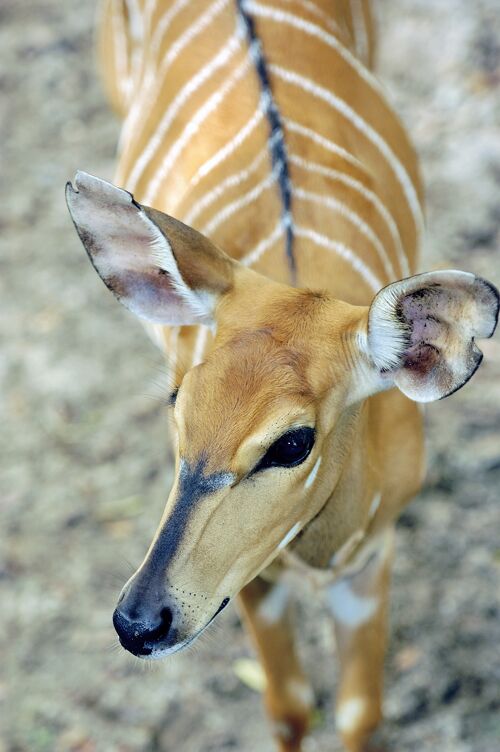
pixel 159 268
pixel 421 331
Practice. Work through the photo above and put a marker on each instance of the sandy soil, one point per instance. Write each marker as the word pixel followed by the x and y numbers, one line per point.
pixel 84 452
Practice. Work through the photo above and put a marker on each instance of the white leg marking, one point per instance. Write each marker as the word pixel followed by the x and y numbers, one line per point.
pixel 282 730
pixel 348 608
pixel 290 535
pixel 192 128
pixel 272 607
pixel 307 84
pixel 350 714
pixel 344 252
pixel 312 475
pixel 337 206
pixel 367 194
pixel 301 691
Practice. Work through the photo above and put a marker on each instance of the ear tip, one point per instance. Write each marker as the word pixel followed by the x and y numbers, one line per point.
pixel 85 180
pixel 97 191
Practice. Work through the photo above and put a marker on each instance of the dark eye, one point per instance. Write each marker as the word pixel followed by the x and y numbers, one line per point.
pixel 289 450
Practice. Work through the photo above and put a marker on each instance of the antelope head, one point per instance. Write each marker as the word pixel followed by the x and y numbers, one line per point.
pixel 262 427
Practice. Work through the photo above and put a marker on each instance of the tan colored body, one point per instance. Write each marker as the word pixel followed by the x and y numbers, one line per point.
pixel 343 198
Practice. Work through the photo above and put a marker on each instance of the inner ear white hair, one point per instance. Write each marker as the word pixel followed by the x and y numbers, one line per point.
pixel 422 331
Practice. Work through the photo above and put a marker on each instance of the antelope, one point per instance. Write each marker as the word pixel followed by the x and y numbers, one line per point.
pixel 266 230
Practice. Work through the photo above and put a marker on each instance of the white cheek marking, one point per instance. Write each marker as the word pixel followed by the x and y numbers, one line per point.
pixel 350 609
pixel 301 691
pixel 349 714
pixel 274 604
pixel 290 535
pixel 374 505
pixel 312 475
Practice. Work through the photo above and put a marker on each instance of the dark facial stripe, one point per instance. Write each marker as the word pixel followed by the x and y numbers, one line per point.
pixel 277 146
pixel 193 487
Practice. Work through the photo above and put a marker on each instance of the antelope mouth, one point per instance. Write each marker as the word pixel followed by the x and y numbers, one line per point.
pixel 161 641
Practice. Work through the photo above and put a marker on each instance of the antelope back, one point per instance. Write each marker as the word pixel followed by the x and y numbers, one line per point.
pixel 293 164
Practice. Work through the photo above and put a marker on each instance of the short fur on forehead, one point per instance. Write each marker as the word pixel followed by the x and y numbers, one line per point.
pixel 423 330
pixel 144 257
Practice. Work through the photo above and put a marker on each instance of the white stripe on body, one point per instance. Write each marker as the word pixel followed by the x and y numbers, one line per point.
pixel 306 84
pixel 210 105
pixel 137 23
pixel 337 206
pixel 317 32
pixel 193 85
pixel 360 30
pixel 325 143
pixel 369 195
pixel 155 74
pixel 312 8
pixel 120 50
pixel 228 149
pixel 239 203
pixel 232 181
pixel 343 252
pixel 263 246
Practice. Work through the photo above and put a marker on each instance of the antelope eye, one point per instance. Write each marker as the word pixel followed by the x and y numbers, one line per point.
pixel 289 450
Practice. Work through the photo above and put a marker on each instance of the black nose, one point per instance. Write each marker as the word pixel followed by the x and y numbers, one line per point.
pixel 140 637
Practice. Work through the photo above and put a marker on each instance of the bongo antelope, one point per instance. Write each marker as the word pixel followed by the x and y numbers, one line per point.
pixel 266 230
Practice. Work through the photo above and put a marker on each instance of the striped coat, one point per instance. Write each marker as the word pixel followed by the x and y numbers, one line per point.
pixel 260 123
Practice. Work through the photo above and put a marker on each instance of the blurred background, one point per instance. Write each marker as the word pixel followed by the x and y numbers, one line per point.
pixel 85 463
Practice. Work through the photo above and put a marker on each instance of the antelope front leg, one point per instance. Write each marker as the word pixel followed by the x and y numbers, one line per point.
pixel 288 696
pixel 359 604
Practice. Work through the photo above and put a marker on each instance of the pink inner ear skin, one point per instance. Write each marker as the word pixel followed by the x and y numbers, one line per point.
pixel 421 359
pixel 426 329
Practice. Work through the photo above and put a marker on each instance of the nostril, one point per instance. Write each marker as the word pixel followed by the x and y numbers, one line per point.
pixel 164 627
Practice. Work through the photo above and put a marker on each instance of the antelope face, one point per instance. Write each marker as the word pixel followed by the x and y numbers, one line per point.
pixel 252 432
pixel 262 425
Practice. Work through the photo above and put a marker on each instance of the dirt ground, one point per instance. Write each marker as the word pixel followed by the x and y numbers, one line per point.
pixel 84 451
